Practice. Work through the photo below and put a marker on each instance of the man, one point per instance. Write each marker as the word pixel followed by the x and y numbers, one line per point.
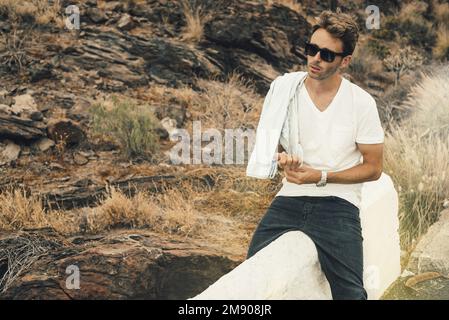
pixel 338 125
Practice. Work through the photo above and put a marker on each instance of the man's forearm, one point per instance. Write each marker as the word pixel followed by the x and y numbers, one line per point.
pixel 360 173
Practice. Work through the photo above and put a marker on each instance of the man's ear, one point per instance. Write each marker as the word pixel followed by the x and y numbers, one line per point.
pixel 345 62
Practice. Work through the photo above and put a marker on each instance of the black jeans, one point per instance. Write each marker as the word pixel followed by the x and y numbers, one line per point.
pixel 333 224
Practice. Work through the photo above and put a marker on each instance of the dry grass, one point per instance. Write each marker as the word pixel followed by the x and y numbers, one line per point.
pixel 21 210
pixel 441 49
pixel 195 20
pixel 224 215
pixel 417 157
pixel 413 11
pixel 168 213
pixel 41 11
pixel 441 11
pixel 231 104
pixel 291 4
pixel 364 63
pixel 18 253
pixel 14 49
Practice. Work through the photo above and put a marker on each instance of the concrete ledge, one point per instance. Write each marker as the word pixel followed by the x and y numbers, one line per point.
pixel 288 268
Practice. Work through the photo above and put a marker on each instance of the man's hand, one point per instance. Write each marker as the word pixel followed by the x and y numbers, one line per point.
pixel 296 171
pixel 303 174
pixel 287 160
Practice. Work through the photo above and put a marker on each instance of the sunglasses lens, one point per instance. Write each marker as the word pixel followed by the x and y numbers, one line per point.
pixel 311 50
pixel 327 56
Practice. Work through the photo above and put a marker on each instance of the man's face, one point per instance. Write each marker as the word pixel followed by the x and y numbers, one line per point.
pixel 318 68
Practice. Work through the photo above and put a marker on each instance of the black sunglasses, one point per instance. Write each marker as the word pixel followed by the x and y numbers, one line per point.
pixel 325 54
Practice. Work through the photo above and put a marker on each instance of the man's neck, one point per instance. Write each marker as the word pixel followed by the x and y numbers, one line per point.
pixel 328 85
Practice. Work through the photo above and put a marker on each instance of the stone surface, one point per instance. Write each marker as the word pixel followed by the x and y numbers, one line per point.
pixel 135 264
pixel 5 109
pixel 24 104
pixel 9 152
pixel 288 268
pixel 79 159
pixel 126 22
pixel 44 144
pixel 278 271
pixel 432 251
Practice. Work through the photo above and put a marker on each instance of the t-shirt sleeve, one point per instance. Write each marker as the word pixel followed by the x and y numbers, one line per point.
pixel 369 127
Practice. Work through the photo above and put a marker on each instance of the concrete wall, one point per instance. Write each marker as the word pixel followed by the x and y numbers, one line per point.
pixel 288 268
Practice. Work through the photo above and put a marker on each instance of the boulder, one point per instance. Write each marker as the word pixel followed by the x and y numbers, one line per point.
pixel 9 152
pixel 24 104
pixel 44 144
pixel 432 251
pixel 126 22
pixel 14 127
pixel 4 109
pixel 126 264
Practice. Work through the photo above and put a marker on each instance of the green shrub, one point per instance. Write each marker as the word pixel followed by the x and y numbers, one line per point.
pixel 133 126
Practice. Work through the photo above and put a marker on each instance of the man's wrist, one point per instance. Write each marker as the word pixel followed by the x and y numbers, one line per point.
pixel 317 176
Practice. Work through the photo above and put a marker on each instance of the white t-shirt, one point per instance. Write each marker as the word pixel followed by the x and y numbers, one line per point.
pixel 329 137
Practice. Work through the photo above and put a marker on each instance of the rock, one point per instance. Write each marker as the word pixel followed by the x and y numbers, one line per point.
pixel 126 22
pixel 67 197
pixel 23 103
pixel 162 133
pixel 123 74
pixel 5 98
pixel 177 112
pixel 113 6
pixel 65 101
pixel 9 153
pixel 55 166
pixel 36 116
pixel 88 153
pixel 66 130
pixel 5 109
pixel 272 36
pixel 446 203
pixel 80 159
pixel 96 15
pixel 21 129
pixel 432 252
pixel 44 144
pixel 25 151
pixel 42 72
pixel 127 264
pixel 169 125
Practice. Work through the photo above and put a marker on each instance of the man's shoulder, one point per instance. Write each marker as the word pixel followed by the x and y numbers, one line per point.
pixel 361 96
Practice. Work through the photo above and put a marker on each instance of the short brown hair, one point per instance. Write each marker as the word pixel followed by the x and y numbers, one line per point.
pixel 340 25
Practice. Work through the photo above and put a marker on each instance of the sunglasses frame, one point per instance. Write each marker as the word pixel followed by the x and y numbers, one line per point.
pixel 325 51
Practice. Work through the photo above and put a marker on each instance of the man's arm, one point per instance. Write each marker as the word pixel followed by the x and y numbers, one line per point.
pixel 369 170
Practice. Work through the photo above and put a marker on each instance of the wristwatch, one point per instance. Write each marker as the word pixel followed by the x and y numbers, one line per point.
pixel 323 180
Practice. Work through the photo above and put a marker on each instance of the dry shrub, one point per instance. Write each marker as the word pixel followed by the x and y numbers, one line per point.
pixel 417 156
pixel 441 49
pixel 230 104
